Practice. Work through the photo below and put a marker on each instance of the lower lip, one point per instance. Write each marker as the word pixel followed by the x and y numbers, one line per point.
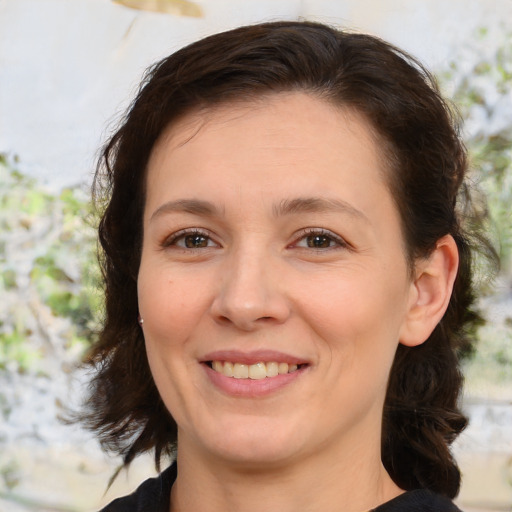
pixel 252 388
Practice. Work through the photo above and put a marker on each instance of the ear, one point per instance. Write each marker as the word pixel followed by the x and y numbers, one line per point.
pixel 430 292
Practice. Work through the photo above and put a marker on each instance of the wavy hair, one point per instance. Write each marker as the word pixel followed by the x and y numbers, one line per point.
pixel 420 142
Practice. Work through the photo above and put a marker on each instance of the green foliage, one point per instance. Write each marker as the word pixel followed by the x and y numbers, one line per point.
pixel 10 475
pixel 492 365
pixel 480 83
pixel 49 277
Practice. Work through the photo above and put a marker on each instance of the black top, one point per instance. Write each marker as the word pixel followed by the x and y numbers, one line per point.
pixel 153 496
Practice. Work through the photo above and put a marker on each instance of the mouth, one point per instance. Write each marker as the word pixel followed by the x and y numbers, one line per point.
pixel 257 371
pixel 253 374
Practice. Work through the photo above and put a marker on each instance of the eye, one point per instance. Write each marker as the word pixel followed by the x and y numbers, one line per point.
pixel 190 239
pixel 320 239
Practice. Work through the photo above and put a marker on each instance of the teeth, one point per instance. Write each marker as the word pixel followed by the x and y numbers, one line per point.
pixel 254 371
pixel 227 370
pixel 240 371
pixel 272 369
pixel 257 371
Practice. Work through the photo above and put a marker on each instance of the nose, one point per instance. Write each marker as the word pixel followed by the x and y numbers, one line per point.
pixel 250 293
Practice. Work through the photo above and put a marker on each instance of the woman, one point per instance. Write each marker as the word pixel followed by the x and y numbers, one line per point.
pixel 288 280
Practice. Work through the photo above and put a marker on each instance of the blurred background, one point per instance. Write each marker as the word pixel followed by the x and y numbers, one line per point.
pixel 68 69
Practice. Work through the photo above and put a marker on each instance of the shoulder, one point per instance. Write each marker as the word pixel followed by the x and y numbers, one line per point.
pixel 151 496
pixel 421 500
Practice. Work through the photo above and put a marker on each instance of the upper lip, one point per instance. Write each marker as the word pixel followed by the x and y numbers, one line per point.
pixel 253 357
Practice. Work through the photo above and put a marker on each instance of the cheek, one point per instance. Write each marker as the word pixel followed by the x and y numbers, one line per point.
pixel 357 322
pixel 355 313
pixel 170 305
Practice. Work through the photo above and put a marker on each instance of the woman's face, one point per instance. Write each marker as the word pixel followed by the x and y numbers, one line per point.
pixel 272 252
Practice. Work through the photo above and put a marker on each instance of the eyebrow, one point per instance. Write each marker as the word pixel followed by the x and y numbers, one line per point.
pixel 317 205
pixel 193 206
pixel 286 207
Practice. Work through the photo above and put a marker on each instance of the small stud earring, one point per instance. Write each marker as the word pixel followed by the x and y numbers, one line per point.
pixel 140 320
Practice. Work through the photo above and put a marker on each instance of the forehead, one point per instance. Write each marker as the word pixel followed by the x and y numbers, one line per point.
pixel 294 138
pixel 295 114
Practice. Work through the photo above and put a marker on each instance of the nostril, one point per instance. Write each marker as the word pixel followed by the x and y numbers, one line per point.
pixel 224 319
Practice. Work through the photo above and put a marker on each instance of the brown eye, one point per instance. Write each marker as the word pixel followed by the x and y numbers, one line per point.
pixel 190 239
pixel 319 241
pixel 195 241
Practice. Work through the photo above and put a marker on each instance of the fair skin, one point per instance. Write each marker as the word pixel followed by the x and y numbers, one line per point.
pixel 270 236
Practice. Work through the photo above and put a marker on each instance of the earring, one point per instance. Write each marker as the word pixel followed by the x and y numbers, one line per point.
pixel 140 320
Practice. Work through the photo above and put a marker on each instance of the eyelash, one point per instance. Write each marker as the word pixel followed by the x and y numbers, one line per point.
pixel 183 234
pixel 340 243
pixel 172 241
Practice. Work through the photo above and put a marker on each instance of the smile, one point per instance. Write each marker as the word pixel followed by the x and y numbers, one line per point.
pixel 257 371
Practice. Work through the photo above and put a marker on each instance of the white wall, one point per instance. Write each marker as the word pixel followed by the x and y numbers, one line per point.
pixel 69 67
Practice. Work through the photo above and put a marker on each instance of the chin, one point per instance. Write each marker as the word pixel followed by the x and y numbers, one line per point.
pixel 254 443
pixel 257 456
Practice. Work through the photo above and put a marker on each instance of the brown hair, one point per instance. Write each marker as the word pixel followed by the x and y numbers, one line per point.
pixel 428 163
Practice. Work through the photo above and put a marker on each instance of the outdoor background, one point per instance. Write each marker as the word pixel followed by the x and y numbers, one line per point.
pixel 68 69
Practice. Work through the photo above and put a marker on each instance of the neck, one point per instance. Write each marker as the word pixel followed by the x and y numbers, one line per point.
pixel 326 482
